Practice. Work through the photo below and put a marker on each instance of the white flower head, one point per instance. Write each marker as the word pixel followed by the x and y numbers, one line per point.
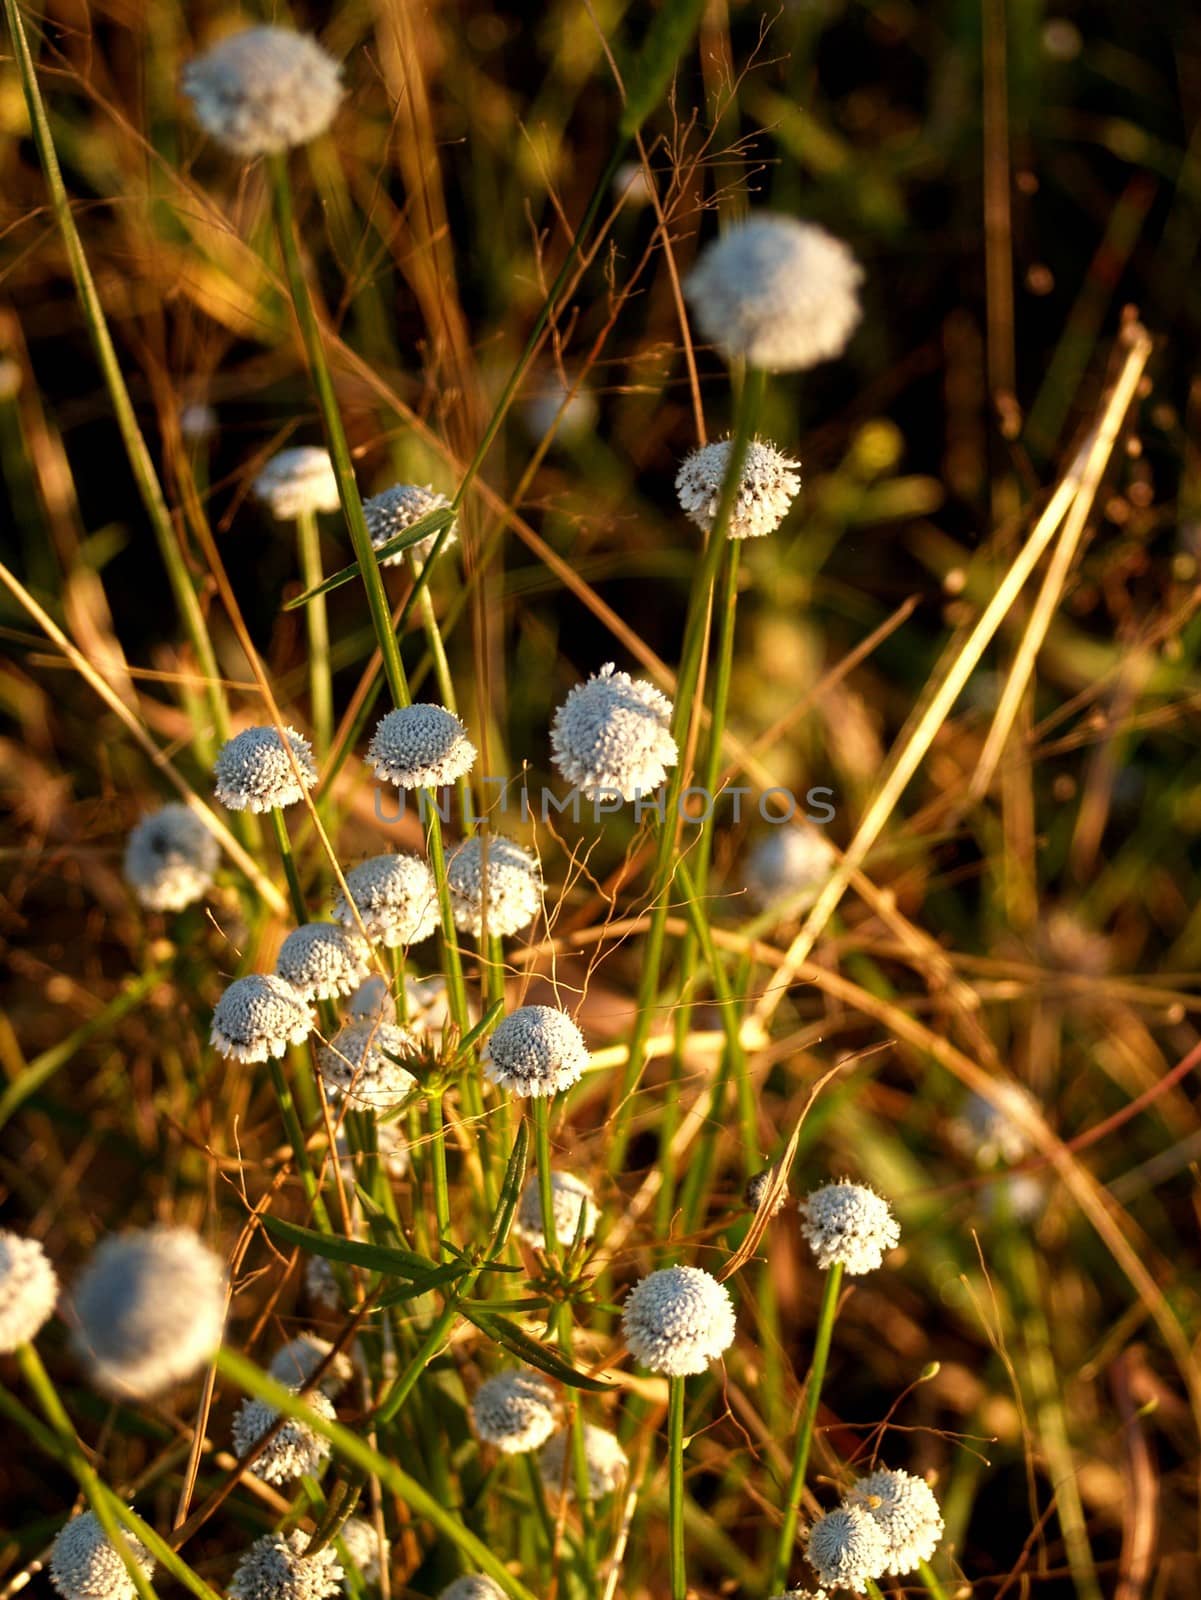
pixel 295 1363
pixel 197 421
pixel 258 1017
pixel 846 1548
pixel 515 1411
pixel 85 1566
pixel 263 90
pixel 612 736
pixel 780 293
pixel 632 186
pixel 473 1586
pixel 254 772
pixel 395 897
pixel 904 1509
pixel 420 747
pixel 149 1310
pixel 294 1452
pixel 362 1063
pixel 606 1461
pixel 554 405
pixel 170 859
pixel 790 863
pixel 322 960
pixel 276 1567
pixel 363 1547
pixel 571 1199
pixel 989 1132
pixel 390 513
pixel 28 1290
pixel 756 1188
pixel 372 1002
pixel 493 879
pixel 321 1285
pixel 1015 1197
pixel 848 1223
pixel 677 1320
pixel 298 482
pixel 766 489
pixel 535 1050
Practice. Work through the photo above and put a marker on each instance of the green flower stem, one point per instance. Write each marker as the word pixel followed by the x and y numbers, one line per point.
pixel 251 1380
pixel 804 1439
pixel 433 1341
pixel 872 1588
pixel 540 1115
pixel 930 1579
pixel 456 988
pixel 284 842
pixel 300 1154
pixel 675 1487
pixel 321 696
pixel 438 1167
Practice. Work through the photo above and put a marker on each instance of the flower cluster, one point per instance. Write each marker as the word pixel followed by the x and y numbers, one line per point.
pixel 612 736
pixel 849 1225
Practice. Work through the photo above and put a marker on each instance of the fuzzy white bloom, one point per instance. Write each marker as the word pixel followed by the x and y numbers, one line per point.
pixel 498 869
pixel 766 489
pixel 322 960
pixel 363 1547
pixel 197 421
pixel 28 1290
pixel 372 1002
pixel 396 898
pixel 606 1461
pixel 296 482
pixel 535 1050
pixel 904 1509
pixel 1016 1197
pixel 296 1450
pixel 756 1188
pixel 473 1586
pixel 149 1310
pixel 85 1566
pixel 390 513
pixel 848 1223
pixel 846 1548
pixel 254 773
pixel 277 1568
pixel 360 1064
pixel 612 736
pixel 631 184
pixel 258 1017
pixel 677 1320
pixel 989 1133
pixel 295 1363
pixel 263 90
pixel 515 1411
pixel 420 747
pixel 792 864
pixel 571 1198
pixel 780 293
pixel 555 406
pixel 321 1285
pixel 170 859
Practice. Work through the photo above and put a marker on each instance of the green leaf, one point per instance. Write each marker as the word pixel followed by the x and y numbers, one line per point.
pixel 504 1332
pixel 510 1192
pixel 662 45
pixel 451 1273
pixel 432 522
pixel 392 1263
pixel 486 1022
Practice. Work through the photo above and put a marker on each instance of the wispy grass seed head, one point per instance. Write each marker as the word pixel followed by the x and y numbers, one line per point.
pixel 846 1547
pixel 277 1568
pixel 779 293
pixel 848 1223
pixel 363 1547
pixel 904 1509
pixel 295 1451
pixel 258 1017
pixel 420 747
pixel 323 960
pixel 492 874
pixel 768 486
pixel 298 482
pixel 535 1050
pixel 394 510
pixel 362 1063
pixel 677 1320
pixel 606 1462
pixel 254 773
pixel 612 736
pixel 295 1363
pixel 170 859
pixel 264 90
pixel 395 897
pixel 515 1411
pixel 85 1566
pixel 571 1199
pixel 149 1310
pixel 28 1290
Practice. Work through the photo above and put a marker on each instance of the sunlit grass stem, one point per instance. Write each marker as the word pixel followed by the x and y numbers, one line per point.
pixel 316 616
pixel 675 1487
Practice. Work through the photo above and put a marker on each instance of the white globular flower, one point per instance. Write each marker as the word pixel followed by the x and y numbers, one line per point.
pixel 28 1290
pixel 849 1224
pixel 254 772
pixel 297 483
pixel 372 1002
pixel 263 90
pixel 904 1509
pixel 494 880
pixel 612 736
pixel 606 1462
pixel 779 293
pixel 846 1548
pixel 473 1586
pixel 85 1566
pixel 362 1063
pixel 295 1363
pixel 258 1017
pixel 395 897
pixel 420 747
pixel 792 864
pixel 276 1567
pixel 555 405
pixel 571 1200
pixel 988 1131
pixel 515 1411
pixel 170 859
pixel 535 1050
pixel 767 487
pixel 677 1320
pixel 321 1285
pixel 295 1451
pixel 322 960
pixel 149 1310
pixel 388 515
pixel 757 1187
pixel 363 1547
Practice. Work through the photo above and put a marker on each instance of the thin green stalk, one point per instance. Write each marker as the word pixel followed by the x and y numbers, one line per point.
pixel 540 1113
pixel 675 1487
pixel 931 1580
pixel 284 842
pixel 300 1154
pixel 804 1439
pixel 438 1167
pixel 321 694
